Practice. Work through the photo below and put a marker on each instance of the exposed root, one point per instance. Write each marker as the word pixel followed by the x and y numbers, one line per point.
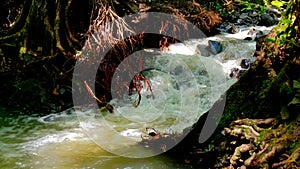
pixel 238 152
pixel 261 143
pixel 189 10
pixel 291 161
pixel 108 28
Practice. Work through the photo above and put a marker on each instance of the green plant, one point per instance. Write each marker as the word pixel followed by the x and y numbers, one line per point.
pixel 278 3
pixel 296 99
pixel 255 5
pixel 223 12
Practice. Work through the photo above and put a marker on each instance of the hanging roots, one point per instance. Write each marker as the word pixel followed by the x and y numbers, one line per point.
pixel 108 28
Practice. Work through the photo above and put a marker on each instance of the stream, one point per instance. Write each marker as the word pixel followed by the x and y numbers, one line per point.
pixel 85 137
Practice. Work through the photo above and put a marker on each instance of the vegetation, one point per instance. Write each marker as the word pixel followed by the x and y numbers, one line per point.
pixel 40 40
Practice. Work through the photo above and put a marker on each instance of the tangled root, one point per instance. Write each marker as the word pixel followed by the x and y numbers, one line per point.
pixel 263 143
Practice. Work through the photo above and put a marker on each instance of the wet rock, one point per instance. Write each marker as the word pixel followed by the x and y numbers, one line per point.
pixel 203 50
pixel 49 118
pixel 251 31
pixel 259 34
pixel 246 21
pixel 248 38
pixel 235 73
pixel 267 20
pixel 253 14
pixel 244 15
pixel 233 16
pixel 233 30
pixel 255 34
pixel 246 63
pixel 215 46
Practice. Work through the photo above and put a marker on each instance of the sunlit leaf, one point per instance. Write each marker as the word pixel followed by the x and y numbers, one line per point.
pixel 288 21
pixel 277 4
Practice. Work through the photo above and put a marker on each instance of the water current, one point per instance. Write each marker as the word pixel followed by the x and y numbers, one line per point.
pixel 185 83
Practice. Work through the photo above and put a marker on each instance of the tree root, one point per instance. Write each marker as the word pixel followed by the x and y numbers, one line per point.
pixel 261 143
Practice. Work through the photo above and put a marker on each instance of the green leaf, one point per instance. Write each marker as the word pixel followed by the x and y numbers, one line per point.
pixel 62 91
pixel 288 21
pixel 270 40
pixel 263 9
pixel 296 84
pixel 218 6
pixel 277 4
pixel 27 57
pixel 22 50
pixel 295 101
pixel 249 8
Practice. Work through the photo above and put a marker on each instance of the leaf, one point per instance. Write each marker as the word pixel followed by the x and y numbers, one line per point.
pixel 22 50
pixel 270 40
pixel 284 113
pixel 27 57
pixel 218 6
pixel 263 9
pixel 249 8
pixel 296 100
pixel 296 84
pixel 277 4
pixel 62 91
pixel 288 21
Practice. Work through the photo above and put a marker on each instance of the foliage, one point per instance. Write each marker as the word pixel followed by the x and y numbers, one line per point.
pixel 296 99
pixel 268 86
pixel 258 6
pixel 278 4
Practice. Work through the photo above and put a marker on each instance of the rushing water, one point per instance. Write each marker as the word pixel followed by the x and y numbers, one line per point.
pixel 84 137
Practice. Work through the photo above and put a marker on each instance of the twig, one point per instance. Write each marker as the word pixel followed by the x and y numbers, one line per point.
pixel 91 92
